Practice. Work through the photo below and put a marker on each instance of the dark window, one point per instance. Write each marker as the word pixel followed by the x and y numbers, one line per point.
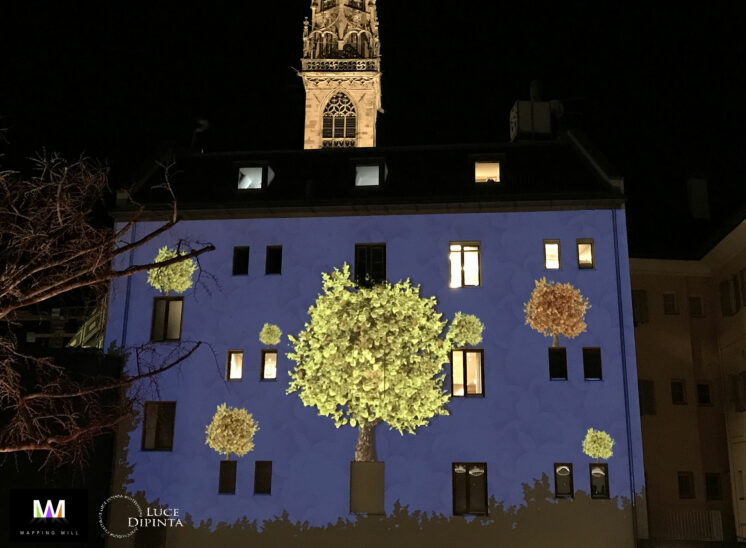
pixel 742 277
pixel 269 365
pixel 696 307
pixel 639 306
pixel 703 394
pixel 563 480
pixel 469 488
pixel 586 253
pixel 678 392
pixel 158 426
pixel 370 264
pixel 263 477
pixel 167 313
pixel 686 485
pixel 738 387
pixel 736 292
pixel 240 261
pixel 552 258
pixel 557 363
pixel 592 363
pixel 599 481
pixel 274 259
pixel 670 303
pixel 729 297
pixel 713 486
pixel 646 390
pixel 467 372
pixel 227 480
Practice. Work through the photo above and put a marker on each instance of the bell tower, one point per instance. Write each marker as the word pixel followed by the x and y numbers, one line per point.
pixel 341 74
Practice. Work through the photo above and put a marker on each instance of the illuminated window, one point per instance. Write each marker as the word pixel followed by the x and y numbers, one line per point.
pixel 339 127
pixel 240 261
pixel 464 258
pixel 599 481
pixel 486 172
pixel 670 303
pixel 469 488
pixel 158 426
pixel 557 363
pixel 269 365
pixel 254 177
pixel 467 368
pixel 592 363
pixel 563 487
pixel 235 365
pixel 263 477
pixel 586 255
pixel 678 392
pixel 167 312
pixel 551 254
pixel 274 259
pixel 370 264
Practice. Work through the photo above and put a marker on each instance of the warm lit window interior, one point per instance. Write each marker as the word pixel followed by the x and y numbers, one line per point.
pixel 551 254
pixel 585 254
pixel 467 376
pixel 249 178
pixel 464 264
pixel 269 365
pixel 487 172
pixel 235 365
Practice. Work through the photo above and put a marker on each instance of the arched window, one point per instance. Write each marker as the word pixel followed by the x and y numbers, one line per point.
pixel 340 122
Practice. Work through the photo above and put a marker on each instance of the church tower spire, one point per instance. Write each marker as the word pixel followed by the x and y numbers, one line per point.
pixel 341 73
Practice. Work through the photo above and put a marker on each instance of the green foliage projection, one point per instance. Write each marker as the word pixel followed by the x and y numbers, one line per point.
pixel 231 431
pixel 597 444
pixel 270 334
pixel 176 277
pixel 376 354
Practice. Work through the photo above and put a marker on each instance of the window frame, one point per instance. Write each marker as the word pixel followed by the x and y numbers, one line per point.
pixel 557 350
pixel 690 476
pixel 369 246
pixel 236 250
pixel 264 463
pixel 684 400
pixel 639 307
pixel 273 248
pixel 557 495
pixel 164 327
pixel 228 377
pixel 469 511
pixel 479 351
pixel 158 404
pixel 701 299
pixel 600 364
pixel 265 352
pixel 268 175
pixel 584 241
pixel 707 403
pixel 676 309
pixel 652 398
pixel 605 467
pixel 463 244
pixel 227 472
pixel 380 163
pixel 475 161
pixel 551 241
pixel 708 492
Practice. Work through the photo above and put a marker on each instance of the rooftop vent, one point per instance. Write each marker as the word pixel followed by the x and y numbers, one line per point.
pixel 532 119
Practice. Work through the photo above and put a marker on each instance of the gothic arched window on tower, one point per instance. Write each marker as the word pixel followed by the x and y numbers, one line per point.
pixel 340 122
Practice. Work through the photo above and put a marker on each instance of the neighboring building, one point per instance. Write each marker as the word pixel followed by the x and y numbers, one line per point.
pixel 691 368
pixel 475 226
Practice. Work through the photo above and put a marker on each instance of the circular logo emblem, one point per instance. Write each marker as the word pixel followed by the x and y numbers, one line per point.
pixel 101 515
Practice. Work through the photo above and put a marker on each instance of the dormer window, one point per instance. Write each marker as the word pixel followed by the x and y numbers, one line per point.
pixel 254 177
pixel 339 123
pixel 486 172
pixel 368 175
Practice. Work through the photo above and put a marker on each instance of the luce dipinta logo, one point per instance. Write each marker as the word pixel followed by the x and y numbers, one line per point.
pixel 48 515
pixel 125 517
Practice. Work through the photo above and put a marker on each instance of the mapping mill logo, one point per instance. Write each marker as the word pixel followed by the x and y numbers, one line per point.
pixel 48 515
pixel 49 511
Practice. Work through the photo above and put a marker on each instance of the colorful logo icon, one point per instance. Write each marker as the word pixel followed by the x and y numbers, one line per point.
pixel 49 510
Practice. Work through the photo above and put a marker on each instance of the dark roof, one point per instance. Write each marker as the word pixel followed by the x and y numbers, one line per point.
pixel 534 175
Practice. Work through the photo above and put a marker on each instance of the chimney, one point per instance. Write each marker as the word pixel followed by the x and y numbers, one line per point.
pixel 531 120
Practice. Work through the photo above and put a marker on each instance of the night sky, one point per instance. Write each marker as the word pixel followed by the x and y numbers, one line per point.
pixel 659 90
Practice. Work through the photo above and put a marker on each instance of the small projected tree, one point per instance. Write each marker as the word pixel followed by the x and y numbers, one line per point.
pixel 231 431
pixel 556 309
pixel 270 334
pixel 597 444
pixel 372 355
pixel 176 277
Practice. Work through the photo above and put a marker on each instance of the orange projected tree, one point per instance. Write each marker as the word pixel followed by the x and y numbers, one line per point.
pixel 556 309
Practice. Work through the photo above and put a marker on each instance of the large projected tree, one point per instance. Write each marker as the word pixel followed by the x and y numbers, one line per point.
pixel 373 355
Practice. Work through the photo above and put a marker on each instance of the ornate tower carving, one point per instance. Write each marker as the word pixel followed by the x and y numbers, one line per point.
pixel 341 73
